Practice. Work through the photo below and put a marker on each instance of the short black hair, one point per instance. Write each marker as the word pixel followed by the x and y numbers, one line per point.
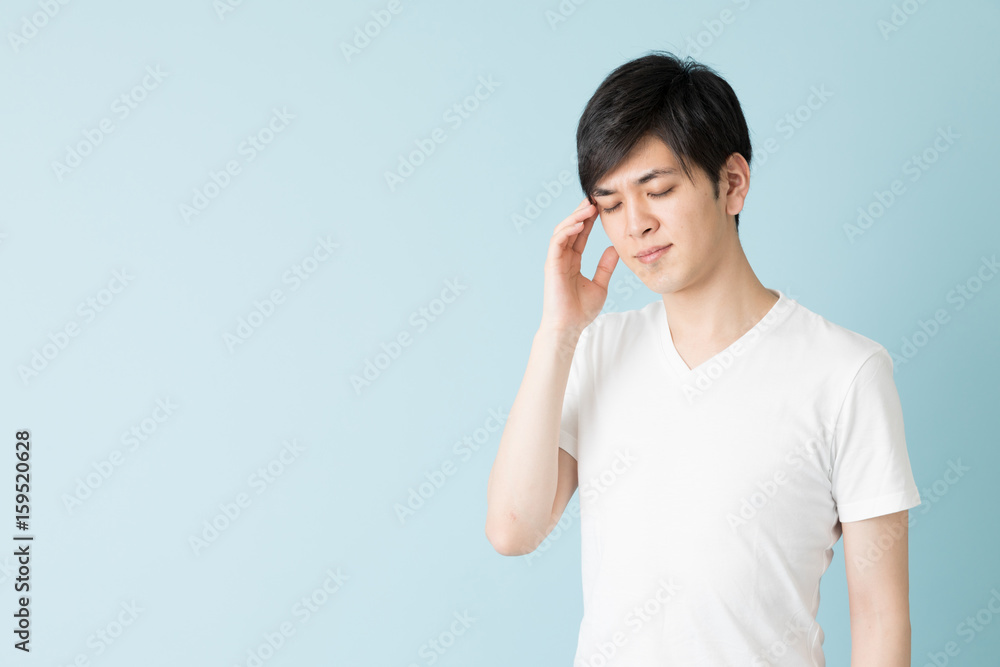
pixel 684 103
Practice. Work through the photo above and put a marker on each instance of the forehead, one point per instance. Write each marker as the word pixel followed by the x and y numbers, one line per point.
pixel 648 159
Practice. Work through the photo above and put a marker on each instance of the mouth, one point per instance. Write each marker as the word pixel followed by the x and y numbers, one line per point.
pixel 652 254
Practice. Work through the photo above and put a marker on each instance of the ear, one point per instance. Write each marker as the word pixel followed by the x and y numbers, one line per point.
pixel 735 183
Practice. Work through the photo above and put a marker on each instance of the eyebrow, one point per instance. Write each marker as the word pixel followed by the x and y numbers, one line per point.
pixel 645 178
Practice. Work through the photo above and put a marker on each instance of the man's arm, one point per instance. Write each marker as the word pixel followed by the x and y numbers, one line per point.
pixel 876 555
pixel 532 480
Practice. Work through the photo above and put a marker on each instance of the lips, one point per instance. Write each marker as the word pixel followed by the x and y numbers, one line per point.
pixel 650 251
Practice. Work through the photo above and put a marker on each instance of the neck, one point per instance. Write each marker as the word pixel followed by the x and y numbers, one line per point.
pixel 720 307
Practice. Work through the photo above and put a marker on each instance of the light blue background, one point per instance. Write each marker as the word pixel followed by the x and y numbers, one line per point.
pixel 162 336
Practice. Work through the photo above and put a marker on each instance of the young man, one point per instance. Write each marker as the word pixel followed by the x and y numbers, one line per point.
pixel 723 437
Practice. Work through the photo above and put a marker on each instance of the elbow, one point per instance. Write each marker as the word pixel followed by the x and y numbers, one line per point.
pixel 505 544
pixel 509 539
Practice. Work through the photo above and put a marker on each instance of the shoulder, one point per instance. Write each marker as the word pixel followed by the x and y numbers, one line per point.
pixel 610 332
pixel 613 327
pixel 833 346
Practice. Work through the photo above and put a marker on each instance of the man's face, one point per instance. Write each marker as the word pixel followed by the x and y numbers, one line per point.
pixel 665 210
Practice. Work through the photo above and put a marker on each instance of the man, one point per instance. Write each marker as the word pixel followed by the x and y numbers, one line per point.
pixel 724 437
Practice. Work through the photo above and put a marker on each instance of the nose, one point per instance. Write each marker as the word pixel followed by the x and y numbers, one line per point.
pixel 639 218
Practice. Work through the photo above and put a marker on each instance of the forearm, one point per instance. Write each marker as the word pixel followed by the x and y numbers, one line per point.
pixel 522 484
pixel 880 640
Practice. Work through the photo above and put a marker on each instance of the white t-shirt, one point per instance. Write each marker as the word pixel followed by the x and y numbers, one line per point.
pixel 711 498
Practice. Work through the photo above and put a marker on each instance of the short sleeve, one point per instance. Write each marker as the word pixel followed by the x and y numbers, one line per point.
pixel 871 468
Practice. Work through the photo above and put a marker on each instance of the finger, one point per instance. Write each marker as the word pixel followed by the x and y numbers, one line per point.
pixel 605 267
pixel 570 234
pixel 577 216
pixel 562 239
pixel 581 239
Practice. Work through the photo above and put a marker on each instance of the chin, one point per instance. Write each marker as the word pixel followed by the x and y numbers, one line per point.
pixel 654 282
pixel 657 282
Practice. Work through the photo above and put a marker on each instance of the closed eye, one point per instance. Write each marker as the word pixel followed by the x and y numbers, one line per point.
pixel 652 194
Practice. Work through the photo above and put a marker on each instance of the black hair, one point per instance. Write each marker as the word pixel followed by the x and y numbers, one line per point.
pixel 685 104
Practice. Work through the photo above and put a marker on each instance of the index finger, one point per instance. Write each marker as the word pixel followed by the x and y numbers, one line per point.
pixel 588 225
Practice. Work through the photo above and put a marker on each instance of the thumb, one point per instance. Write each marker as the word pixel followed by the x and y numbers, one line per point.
pixel 605 267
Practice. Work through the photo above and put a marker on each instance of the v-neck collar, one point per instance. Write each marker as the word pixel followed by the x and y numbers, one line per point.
pixel 778 312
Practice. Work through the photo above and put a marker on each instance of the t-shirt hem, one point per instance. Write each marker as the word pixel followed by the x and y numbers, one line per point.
pixel 873 507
